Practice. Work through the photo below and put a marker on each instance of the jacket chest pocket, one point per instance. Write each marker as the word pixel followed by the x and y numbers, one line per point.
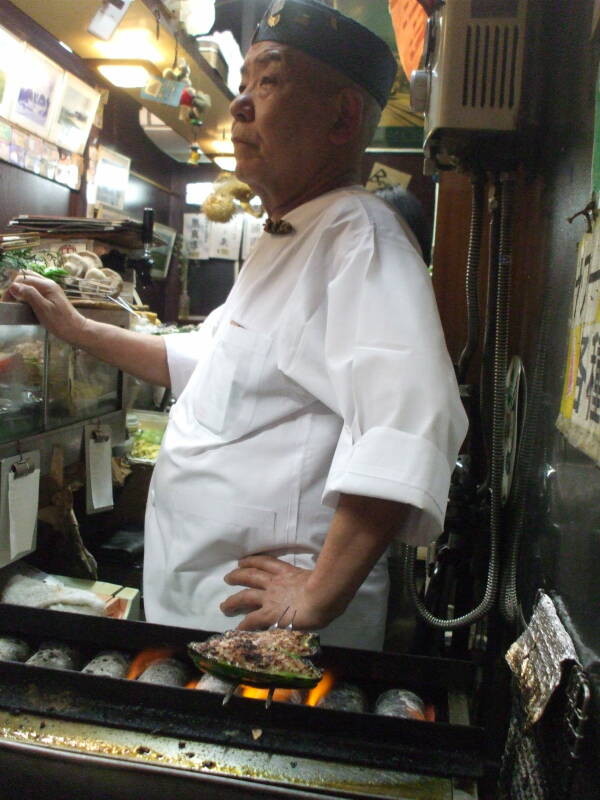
pixel 226 390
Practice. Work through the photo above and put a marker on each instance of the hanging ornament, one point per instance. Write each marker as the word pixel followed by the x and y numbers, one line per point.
pixel 195 154
pixel 229 196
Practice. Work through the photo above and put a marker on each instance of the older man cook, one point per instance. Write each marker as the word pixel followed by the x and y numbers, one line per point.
pixel 318 415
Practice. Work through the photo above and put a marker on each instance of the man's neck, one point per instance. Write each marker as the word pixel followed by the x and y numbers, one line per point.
pixel 278 207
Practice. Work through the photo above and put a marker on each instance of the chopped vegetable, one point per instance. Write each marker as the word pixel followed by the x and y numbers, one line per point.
pixel 146 444
pixel 45 263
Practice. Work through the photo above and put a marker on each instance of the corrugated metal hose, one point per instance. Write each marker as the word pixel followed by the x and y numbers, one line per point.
pixel 498 424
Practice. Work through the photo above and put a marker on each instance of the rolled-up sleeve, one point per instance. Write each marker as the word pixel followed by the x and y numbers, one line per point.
pixel 185 349
pixel 394 386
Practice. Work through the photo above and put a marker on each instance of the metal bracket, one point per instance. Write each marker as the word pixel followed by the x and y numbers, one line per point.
pixel 577 697
pixel 576 714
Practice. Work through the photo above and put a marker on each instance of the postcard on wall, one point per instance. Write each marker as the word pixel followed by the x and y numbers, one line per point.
pixel 5 140
pixel 112 177
pixel 11 50
pixel 68 170
pixel 36 93
pixel 49 163
pixel 76 110
pixel 18 148
pixel 33 157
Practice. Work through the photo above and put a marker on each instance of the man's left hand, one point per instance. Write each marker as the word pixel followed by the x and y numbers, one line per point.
pixel 273 586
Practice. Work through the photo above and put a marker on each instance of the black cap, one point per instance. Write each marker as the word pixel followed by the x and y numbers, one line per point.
pixel 333 38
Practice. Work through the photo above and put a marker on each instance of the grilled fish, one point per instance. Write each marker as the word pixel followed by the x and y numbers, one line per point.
pixel 274 658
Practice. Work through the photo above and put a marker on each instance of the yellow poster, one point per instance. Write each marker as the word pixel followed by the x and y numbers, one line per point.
pixel 579 417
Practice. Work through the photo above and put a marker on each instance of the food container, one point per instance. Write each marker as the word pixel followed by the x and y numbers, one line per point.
pixel 146 429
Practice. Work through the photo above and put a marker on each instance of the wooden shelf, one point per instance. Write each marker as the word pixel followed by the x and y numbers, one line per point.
pixel 68 22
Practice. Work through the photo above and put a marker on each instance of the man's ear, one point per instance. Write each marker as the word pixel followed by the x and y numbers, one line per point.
pixel 347 124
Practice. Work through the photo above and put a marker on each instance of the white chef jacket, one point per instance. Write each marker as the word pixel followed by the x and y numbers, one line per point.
pixel 325 371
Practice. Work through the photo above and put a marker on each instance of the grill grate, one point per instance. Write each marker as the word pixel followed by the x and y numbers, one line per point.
pixel 439 748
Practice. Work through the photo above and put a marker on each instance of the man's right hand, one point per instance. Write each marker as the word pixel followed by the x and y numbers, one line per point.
pixel 50 305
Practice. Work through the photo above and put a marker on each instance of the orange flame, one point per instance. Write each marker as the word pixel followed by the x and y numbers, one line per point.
pixel 254 693
pixel 147 657
pixel 320 689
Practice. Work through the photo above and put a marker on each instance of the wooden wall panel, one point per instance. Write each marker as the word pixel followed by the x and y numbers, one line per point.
pixel 450 257
pixel 450 261
pixel 23 192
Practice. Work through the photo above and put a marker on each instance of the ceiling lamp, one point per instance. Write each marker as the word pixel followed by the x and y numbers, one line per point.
pixel 227 163
pixel 125 73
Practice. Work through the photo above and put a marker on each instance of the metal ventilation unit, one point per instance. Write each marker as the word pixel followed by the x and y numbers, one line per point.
pixel 471 87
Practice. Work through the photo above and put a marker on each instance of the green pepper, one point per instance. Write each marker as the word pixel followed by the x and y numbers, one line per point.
pixel 53 273
pixel 273 658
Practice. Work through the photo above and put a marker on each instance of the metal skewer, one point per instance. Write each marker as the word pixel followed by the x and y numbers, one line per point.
pixel 276 624
pixel 230 692
pixel 124 304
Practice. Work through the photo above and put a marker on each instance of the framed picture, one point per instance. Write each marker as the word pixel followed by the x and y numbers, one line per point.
pixel 11 52
pixel 36 91
pixel 112 177
pixel 161 255
pixel 75 113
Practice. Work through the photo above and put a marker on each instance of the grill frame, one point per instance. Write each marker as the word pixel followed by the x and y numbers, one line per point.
pixel 443 748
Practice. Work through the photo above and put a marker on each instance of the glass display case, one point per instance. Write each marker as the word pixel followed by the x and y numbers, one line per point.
pixel 22 360
pixel 79 386
pixel 45 383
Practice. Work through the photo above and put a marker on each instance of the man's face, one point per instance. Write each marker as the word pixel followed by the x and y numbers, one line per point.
pixel 280 123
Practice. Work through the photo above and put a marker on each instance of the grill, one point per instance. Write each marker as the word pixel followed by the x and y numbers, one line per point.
pixel 80 735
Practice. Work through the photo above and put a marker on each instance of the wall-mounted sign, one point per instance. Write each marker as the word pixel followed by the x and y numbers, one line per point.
pixel 225 238
pixel 579 417
pixel 253 230
pixel 195 236
pixel 384 177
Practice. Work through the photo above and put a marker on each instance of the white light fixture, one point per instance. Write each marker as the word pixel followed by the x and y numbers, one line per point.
pixel 228 163
pixel 126 73
pixel 197 16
